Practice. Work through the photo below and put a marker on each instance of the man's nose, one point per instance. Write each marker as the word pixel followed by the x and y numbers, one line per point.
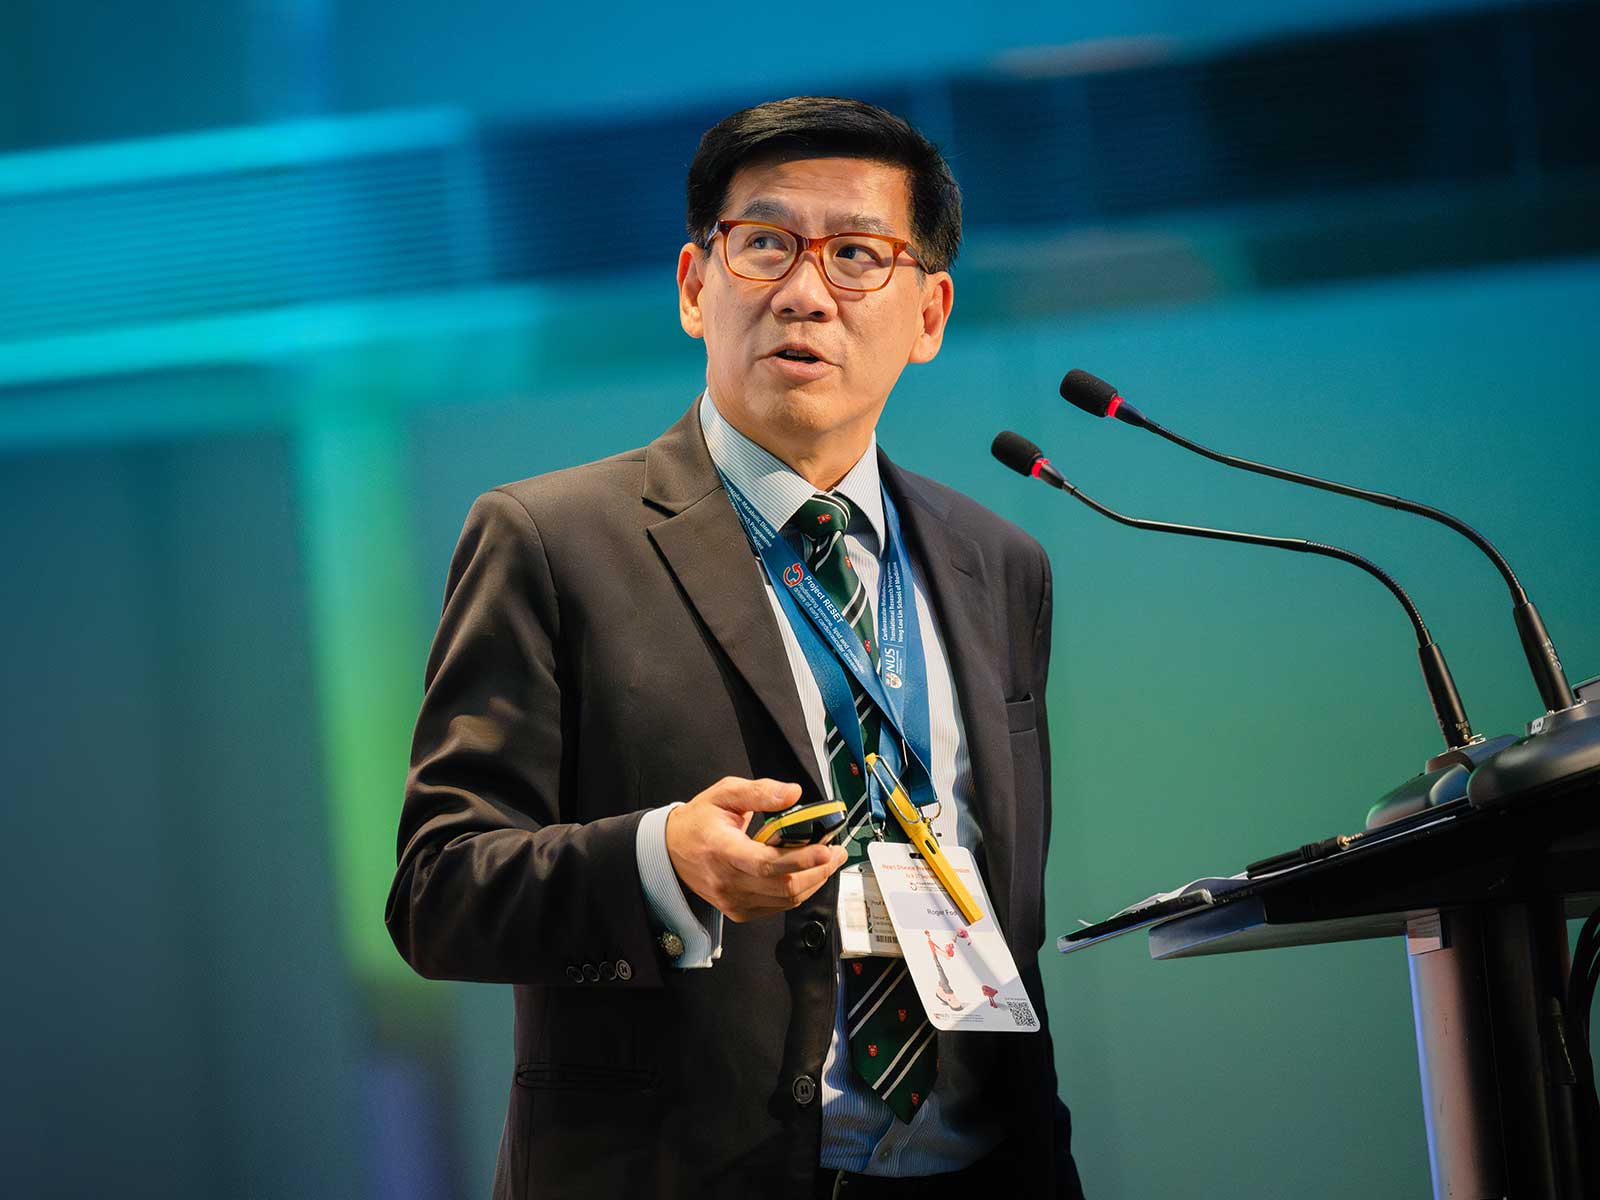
pixel 804 291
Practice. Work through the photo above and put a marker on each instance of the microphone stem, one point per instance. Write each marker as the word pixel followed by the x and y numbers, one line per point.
pixel 1442 693
pixel 1537 648
pixel 1518 596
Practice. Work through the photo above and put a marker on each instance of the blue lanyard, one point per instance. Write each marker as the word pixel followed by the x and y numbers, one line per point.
pixel 832 648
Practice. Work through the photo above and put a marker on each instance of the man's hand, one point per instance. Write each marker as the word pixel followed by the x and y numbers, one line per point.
pixel 719 861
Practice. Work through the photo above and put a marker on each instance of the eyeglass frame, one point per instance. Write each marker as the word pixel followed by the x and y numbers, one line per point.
pixel 804 245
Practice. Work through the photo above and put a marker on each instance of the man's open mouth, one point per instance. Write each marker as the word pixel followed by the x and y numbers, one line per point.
pixel 796 356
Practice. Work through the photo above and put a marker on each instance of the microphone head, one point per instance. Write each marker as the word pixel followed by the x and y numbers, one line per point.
pixel 1089 392
pixel 1016 451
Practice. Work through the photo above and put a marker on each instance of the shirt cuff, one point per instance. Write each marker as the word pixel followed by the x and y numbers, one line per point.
pixel 691 918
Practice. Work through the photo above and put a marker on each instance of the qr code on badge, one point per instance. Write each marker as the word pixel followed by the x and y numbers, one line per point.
pixel 1022 1013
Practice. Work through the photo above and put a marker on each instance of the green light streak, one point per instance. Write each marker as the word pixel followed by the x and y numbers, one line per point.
pixel 366 654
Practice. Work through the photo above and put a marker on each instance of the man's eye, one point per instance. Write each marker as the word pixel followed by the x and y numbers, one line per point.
pixel 764 241
pixel 861 253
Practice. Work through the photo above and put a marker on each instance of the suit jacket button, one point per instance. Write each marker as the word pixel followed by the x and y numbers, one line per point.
pixel 813 935
pixel 624 970
pixel 804 1090
pixel 608 971
pixel 575 974
pixel 591 972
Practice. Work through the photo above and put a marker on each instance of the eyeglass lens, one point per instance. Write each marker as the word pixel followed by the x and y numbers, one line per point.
pixel 852 260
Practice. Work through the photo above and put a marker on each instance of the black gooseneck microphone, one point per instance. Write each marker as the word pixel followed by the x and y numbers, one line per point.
pixel 1025 458
pixel 1100 399
pixel 1562 745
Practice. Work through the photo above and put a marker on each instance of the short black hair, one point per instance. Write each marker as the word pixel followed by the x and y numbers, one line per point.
pixel 826 127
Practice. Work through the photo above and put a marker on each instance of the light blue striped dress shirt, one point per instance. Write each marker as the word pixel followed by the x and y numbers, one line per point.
pixel 859 1132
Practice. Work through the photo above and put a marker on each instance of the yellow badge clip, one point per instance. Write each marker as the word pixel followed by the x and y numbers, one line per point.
pixel 923 841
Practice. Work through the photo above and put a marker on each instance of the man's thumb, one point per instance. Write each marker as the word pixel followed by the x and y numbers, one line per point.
pixel 762 795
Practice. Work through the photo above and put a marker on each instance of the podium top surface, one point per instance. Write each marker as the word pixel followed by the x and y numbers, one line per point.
pixel 1547 847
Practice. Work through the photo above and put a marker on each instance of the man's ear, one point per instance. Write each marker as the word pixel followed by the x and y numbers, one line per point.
pixel 691 278
pixel 938 294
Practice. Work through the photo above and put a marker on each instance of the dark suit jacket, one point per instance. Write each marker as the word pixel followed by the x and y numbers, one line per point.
pixel 606 646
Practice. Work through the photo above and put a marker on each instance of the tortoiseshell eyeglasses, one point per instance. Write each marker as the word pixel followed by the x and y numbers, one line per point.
pixel 852 262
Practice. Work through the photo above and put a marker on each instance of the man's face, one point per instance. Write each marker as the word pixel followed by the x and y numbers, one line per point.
pixel 862 340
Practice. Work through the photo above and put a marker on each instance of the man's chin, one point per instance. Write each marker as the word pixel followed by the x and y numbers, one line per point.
pixel 791 411
pixel 810 407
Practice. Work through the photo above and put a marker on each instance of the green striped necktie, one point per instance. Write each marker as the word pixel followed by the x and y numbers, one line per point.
pixel 891 1041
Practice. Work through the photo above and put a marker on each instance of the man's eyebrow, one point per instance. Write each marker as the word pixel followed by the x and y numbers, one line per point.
pixel 862 223
pixel 776 210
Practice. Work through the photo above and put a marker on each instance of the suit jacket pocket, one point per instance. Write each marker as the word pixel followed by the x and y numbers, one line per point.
pixel 606 1040
pixel 582 1078
pixel 1020 714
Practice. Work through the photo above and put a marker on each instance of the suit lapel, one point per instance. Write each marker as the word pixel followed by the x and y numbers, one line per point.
pixel 953 570
pixel 705 547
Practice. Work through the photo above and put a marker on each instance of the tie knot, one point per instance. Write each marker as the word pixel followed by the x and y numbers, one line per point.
pixel 823 515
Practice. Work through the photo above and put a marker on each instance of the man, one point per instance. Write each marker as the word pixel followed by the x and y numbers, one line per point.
pixel 618 694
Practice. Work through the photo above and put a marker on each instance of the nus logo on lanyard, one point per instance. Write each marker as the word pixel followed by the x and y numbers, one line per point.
pixel 890 658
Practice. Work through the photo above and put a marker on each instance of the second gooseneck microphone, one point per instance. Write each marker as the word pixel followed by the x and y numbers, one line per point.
pixel 1099 399
pixel 1024 457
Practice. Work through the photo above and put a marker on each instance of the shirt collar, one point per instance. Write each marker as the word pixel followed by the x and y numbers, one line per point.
pixel 773 487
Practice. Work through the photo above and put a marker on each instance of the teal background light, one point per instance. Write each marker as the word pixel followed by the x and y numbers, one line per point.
pixel 284 284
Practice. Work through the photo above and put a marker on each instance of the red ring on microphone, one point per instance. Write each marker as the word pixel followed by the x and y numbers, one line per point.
pixel 1116 403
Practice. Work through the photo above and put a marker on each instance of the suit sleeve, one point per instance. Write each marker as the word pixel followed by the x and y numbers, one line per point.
pixel 491 884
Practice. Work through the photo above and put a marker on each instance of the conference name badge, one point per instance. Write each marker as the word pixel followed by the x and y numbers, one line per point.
pixel 964 974
pixel 864 926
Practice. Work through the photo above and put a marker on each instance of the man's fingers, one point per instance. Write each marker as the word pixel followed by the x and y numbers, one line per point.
pixel 765 897
pixel 789 876
pixel 803 883
pixel 752 795
pixel 768 862
pixel 801 858
pixel 731 870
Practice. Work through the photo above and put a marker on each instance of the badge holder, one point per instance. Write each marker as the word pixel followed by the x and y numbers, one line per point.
pixel 934 900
